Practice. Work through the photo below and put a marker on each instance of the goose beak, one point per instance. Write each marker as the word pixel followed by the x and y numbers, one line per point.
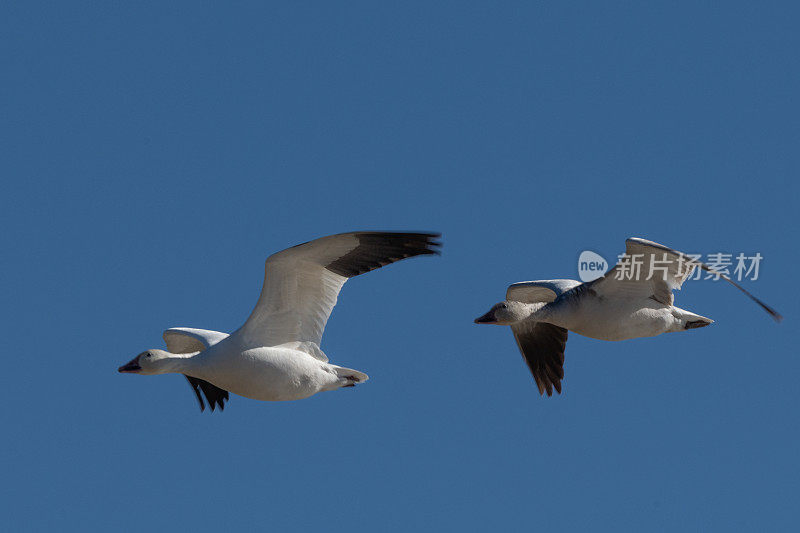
pixel 130 368
pixel 488 318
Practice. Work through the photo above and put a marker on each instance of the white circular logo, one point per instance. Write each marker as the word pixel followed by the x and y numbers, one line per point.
pixel 591 266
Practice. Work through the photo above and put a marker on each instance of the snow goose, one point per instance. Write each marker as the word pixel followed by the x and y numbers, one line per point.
pixel 276 354
pixel 625 303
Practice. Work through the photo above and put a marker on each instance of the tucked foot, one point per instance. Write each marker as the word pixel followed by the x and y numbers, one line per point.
pixel 349 376
pixel 351 381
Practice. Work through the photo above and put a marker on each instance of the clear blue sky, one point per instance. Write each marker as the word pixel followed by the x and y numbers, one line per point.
pixel 153 156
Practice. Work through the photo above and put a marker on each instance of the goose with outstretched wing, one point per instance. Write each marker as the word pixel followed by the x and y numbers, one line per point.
pixel 633 299
pixel 276 354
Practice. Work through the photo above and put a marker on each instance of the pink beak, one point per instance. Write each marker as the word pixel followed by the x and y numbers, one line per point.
pixel 131 368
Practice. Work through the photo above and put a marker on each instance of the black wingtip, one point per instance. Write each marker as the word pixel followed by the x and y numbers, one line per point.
pixel 196 390
pixel 380 248
pixel 214 395
pixel 776 316
pixel 543 352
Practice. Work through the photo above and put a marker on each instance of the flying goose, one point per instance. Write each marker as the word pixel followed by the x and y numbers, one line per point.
pixel 276 354
pixel 626 303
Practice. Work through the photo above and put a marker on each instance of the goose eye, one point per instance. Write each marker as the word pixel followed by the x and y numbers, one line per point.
pixel 148 354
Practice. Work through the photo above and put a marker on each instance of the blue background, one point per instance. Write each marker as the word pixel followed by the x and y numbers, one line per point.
pixel 154 155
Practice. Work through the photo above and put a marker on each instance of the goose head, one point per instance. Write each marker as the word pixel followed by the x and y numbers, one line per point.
pixel 505 314
pixel 150 362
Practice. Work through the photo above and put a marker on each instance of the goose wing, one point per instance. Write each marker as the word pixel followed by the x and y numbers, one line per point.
pixel 302 283
pixel 542 346
pixel 649 269
pixel 646 270
pixel 188 340
pixel 539 291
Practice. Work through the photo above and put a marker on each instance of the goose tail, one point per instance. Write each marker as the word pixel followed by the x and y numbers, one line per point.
pixel 349 377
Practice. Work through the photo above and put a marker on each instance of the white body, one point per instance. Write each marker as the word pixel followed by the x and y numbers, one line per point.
pixel 276 373
pixel 614 318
